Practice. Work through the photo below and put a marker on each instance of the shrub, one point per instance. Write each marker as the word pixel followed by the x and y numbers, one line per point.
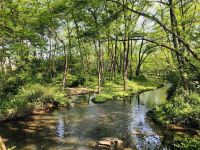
pixel 79 81
pixel 10 83
pixel 181 109
pixel 30 97
pixel 140 78
pixel 173 77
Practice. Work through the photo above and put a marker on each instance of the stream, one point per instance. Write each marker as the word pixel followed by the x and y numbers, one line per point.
pixel 81 126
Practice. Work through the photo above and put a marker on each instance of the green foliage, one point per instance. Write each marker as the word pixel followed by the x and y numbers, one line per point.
pixel 173 77
pixel 100 98
pixel 140 78
pixel 28 98
pixel 181 109
pixel 80 80
pixel 184 110
pixel 32 70
pixel 187 142
pixel 10 83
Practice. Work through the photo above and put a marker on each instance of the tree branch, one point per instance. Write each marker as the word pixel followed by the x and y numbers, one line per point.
pixel 185 44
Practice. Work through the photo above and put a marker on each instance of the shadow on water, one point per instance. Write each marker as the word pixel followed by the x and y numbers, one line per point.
pixel 83 125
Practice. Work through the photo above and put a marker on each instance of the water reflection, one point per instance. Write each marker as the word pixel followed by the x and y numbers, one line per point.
pixel 81 126
pixel 60 128
pixel 155 97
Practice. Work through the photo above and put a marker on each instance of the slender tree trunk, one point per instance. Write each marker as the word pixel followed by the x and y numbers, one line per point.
pixel 121 60
pixel 66 58
pixel 131 59
pixel 137 72
pixel 97 49
pixel 65 69
pixel 115 59
pixel 124 68
pixel 126 63
pixel 100 66
pixel 110 60
pixel 80 48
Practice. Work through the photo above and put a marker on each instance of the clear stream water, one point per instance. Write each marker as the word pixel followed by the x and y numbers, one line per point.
pixel 80 127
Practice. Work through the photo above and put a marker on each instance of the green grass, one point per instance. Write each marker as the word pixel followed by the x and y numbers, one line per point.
pixel 91 83
pixel 113 90
pixel 102 97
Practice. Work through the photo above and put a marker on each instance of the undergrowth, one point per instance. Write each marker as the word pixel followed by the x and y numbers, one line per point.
pixel 28 98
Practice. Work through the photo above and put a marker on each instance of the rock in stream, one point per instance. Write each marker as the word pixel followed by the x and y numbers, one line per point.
pixel 110 143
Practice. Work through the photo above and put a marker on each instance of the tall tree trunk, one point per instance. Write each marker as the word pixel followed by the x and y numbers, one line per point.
pixel 66 57
pixel 137 72
pixel 126 64
pixel 126 61
pixel 80 49
pixel 120 68
pixel 100 68
pixel 124 68
pixel 115 59
pixel 174 27
pixel 131 60
pixel 111 60
pixel 65 69
pixel 97 49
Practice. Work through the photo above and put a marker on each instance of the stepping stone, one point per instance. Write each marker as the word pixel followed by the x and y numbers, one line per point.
pixel 109 143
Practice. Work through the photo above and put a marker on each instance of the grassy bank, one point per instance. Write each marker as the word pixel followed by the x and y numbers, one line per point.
pixel 115 90
pixel 181 114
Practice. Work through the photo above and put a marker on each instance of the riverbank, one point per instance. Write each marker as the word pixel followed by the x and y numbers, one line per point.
pixel 36 99
pixel 66 127
pixel 181 116
pixel 32 99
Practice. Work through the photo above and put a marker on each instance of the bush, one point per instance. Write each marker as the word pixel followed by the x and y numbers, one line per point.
pixel 28 98
pixel 181 109
pixel 10 83
pixel 173 77
pixel 184 110
pixel 79 81
pixel 140 78
pixel 171 91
